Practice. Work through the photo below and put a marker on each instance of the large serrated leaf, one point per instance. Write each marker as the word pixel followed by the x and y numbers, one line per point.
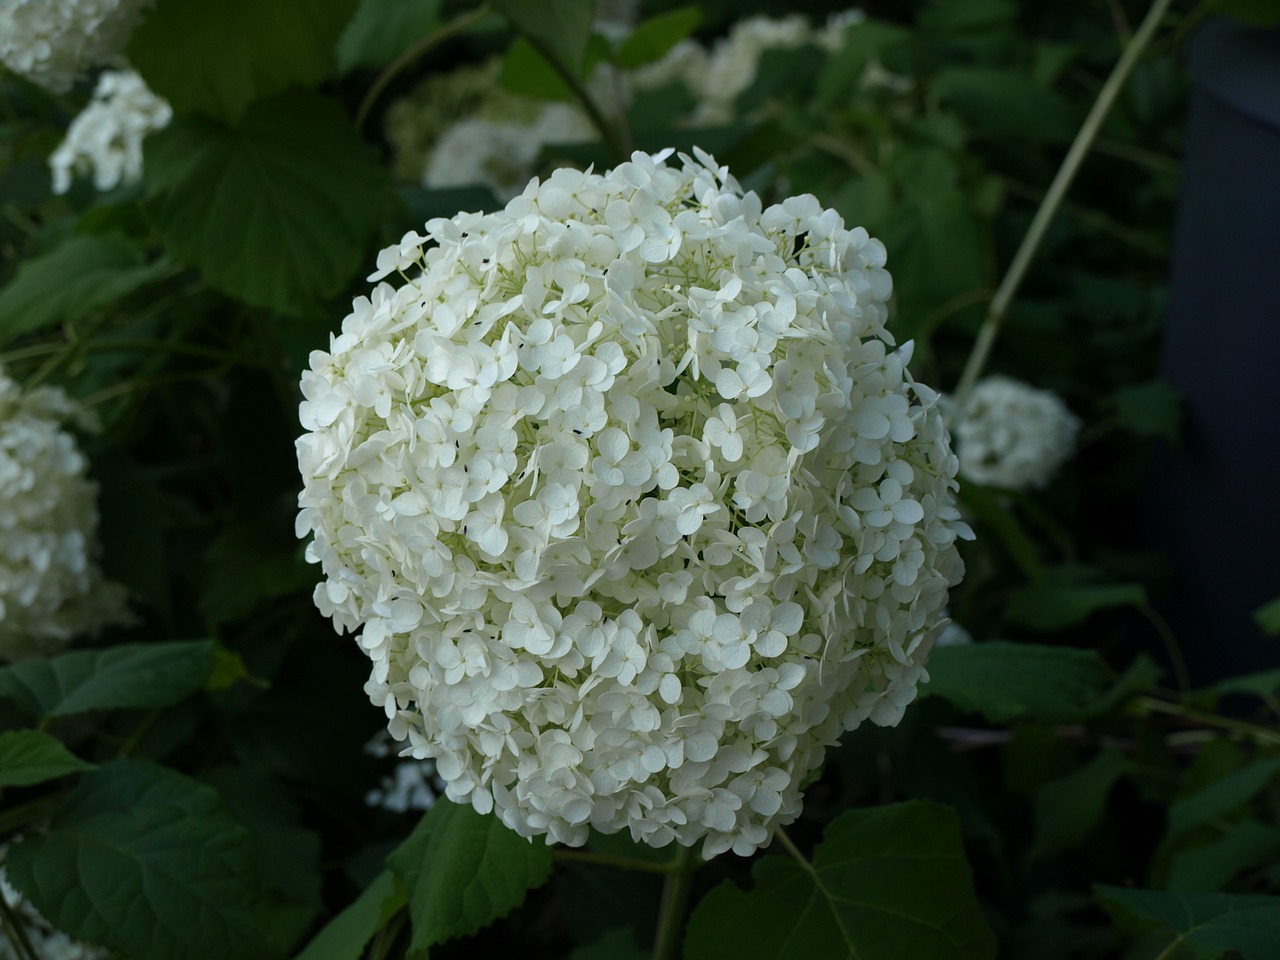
pixel 147 862
pixel 1207 924
pixel 461 871
pixel 134 675
pixel 1013 681
pixel 654 37
pixel 29 757
pixel 276 211
pixel 886 883
pixel 72 281
pixel 218 56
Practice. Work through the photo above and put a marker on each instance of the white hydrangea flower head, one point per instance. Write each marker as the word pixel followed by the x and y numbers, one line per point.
pixel 105 140
pixel 632 500
pixel 501 155
pixel 53 42
pixel 1011 435
pixel 50 586
pixel 48 943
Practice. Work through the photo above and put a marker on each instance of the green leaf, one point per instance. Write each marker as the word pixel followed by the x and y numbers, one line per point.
pixel 1260 13
pixel 841 74
pixel 1001 104
pixel 560 28
pixel 1152 409
pixel 73 280
pixel 278 210
pixel 148 862
pixel 652 39
pixel 381 30
pixel 1267 617
pixel 462 870
pixel 1221 797
pixel 1211 866
pixel 29 757
pixel 1053 606
pixel 617 944
pixel 218 56
pixel 1264 684
pixel 987 506
pixel 1019 681
pixel 937 251
pixel 346 935
pixel 286 851
pixel 136 675
pixel 885 883
pixel 1208 924
pixel 1067 810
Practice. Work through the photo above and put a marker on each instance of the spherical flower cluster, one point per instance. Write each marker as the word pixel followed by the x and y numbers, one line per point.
pixel 50 587
pixel 105 140
pixel 412 784
pixel 1013 436
pixel 48 943
pixel 53 42
pixel 633 501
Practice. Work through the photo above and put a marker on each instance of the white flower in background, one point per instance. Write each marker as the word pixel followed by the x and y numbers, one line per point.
pixel 501 154
pixel 48 943
pixel 954 636
pixel 53 42
pixel 1011 435
pixel 632 500
pixel 413 784
pixel 50 586
pixel 105 140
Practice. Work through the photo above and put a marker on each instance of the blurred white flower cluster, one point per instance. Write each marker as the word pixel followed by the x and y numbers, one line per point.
pixel 500 154
pixel 53 42
pixel 413 784
pixel 497 137
pixel 716 77
pixel 105 140
pixel 48 943
pixel 1012 435
pixel 50 586
pixel 633 501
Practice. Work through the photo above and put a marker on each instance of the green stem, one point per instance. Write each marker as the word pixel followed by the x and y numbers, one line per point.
pixel 792 849
pixel 675 904
pixel 17 935
pixel 457 25
pixel 608 860
pixel 617 142
pixel 1053 199
pixel 1250 730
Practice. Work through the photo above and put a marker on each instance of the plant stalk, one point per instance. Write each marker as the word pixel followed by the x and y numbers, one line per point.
pixel 432 39
pixel 675 904
pixel 1053 199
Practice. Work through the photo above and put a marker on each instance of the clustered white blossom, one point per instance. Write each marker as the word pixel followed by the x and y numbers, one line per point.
pixel 105 140
pixel 50 586
pixel 501 154
pixel 718 76
pixel 633 501
pixel 412 785
pixel 48 943
pixel 1012 435
pixel 53 42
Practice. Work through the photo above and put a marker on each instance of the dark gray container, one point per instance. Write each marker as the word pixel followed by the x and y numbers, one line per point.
pixel 1216 504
